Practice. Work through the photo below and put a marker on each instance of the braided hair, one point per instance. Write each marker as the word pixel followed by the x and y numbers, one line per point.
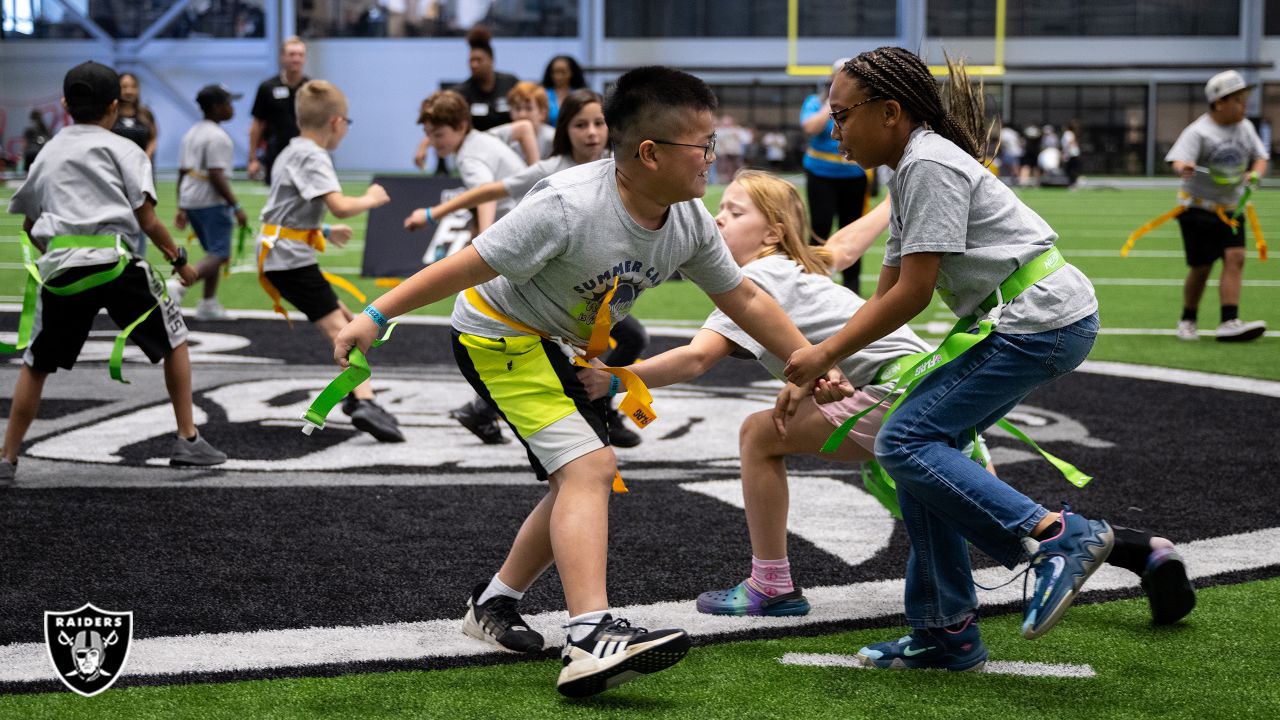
pixel 898 74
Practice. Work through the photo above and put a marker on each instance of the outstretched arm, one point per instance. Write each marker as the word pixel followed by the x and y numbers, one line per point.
pixel 474 197
pixel 676 365
pixel 851 242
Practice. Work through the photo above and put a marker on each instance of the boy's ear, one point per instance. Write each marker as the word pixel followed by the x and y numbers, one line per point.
pixel 648 154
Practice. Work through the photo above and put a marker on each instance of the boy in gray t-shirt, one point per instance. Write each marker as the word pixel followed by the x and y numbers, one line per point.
pixel 1216 155
pixel 548 278
pixel 88 181
pixel 304 185
pixel 205 197
pixel 481 158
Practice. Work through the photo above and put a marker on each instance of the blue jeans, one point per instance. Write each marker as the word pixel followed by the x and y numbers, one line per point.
pixel 212 225
pixel 947 498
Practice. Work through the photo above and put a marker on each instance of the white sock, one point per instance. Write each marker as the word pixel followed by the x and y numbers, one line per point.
pixel 582 625
pixel 497 587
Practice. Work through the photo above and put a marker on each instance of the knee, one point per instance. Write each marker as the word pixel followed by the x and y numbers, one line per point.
pixel 893 447
pixel 757 433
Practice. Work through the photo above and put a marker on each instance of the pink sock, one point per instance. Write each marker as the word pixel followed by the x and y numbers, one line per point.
pixel 771 577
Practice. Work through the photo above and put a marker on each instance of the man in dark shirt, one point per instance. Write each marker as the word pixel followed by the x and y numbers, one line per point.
pixel 274 119
pixel 486 90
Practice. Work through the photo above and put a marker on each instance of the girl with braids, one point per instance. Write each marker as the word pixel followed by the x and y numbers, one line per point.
pixel 955 227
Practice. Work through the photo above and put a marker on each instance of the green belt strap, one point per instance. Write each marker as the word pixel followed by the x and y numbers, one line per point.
pixel 357 372
pixel 1244 201
pixel 914 368
pixel 34 283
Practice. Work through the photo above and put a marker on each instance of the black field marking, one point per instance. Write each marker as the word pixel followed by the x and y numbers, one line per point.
pixel 683 429
pixel 53 408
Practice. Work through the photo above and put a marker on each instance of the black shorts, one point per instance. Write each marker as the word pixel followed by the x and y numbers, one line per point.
pixel 63 322
pixel 306 289
pixel 1205 237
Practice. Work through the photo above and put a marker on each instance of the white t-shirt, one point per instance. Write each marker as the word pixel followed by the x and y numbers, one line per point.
pixel 819 308
pixel 1226 151
pixel 521 183
pixel 546 136
pixel 483 158
pixel 946 202
pixel 561 249
pixel 86 181
pixel 206 146
pixel 302 175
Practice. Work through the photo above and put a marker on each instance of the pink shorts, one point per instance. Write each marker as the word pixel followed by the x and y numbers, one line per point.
pixel 864 432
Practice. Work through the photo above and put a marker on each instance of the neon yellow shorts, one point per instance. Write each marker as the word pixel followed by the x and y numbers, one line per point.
pixel 536 390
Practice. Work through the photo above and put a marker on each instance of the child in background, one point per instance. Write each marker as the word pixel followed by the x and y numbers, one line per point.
pixel 304 185
pixel 551 276
pixel 956 227
pixel 88 181
pixel 205 197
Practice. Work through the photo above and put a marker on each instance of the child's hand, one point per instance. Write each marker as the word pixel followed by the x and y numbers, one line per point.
pixel 418 218
pixel 339 234
pixel 788 402
pixel 832 387
pixel 807 364
pixel 180 220
pixel 377 195
pixel 595 381
pixel 241 219
pixel 188 275
pixel 359 333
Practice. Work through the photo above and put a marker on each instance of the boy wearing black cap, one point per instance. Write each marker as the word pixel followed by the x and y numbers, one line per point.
pixel 87 201
pixel 205 198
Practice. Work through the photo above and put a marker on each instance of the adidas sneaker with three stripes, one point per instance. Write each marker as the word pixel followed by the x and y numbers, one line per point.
pixel 615 653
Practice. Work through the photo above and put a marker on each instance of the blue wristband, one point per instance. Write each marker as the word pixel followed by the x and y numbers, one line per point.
pixel 614 386
pixel 324 230
pixel 430 218
pixel 378 317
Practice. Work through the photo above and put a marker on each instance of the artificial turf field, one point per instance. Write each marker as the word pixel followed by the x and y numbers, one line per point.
pixel 257 549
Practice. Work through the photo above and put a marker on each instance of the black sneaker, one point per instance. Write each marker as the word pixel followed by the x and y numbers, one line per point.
pixel 368 416
pixel 615 653
pixel 481 420
pixel 1169 590
pixel 619 434
pixel 498 623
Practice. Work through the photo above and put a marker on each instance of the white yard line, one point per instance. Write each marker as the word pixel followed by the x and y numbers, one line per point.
pixel 996 667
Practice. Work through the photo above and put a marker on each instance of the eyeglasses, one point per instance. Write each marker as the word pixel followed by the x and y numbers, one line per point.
pixel 707 150
pixel 835 114
pixel 349 121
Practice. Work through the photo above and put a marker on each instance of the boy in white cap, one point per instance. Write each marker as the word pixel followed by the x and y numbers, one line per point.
pixel 1215 156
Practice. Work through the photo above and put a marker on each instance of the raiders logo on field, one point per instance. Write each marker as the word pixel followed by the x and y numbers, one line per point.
pixel 88 646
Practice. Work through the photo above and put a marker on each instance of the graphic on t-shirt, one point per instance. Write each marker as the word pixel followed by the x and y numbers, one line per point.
pixel 1227 160
pixel 633 277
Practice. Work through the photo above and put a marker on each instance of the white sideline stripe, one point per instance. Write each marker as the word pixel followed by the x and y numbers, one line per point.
pixel 1269 388
pixel 305 647
pixel 995 667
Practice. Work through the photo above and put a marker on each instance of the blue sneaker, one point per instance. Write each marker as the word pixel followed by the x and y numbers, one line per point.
pixel 929 649
pixel 1062 564
pixel 744 599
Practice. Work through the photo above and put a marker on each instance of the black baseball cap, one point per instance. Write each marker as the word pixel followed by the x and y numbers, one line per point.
pixel 211 95
pixel 90 86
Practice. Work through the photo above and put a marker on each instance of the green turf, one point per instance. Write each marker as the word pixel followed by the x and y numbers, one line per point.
pixel 1093 220
pixel 1218 664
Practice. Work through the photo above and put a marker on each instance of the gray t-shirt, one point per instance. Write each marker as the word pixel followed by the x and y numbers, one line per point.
pixel 302 175
pixel 86 181
pixel 521 183
pixel 559 251
pixel 205 146
pixel 819 308
pixel 546 136
pixel 483 158
pixel 946 202
pixel 1226 150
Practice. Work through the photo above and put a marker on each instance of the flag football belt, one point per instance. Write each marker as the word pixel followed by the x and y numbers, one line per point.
pixel 1185 201
pixel 907 372
pixel 35 283
pixel 356 373
pixel 638 402
pixel 313 238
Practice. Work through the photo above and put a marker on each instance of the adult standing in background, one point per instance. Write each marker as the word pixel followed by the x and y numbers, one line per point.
pixel 486 90
pixel 1071 151
pixel 562 76
pixel 835 186
pixel 274 120
pixel 135 121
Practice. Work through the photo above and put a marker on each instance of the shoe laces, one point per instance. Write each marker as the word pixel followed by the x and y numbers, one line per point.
pixel 1037 557
pixel 504 609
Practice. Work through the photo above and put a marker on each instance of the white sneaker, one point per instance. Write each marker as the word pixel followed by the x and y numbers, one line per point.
pixel 211 309
pixel 1187 330
pixel 177 290
pixel 1237 330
